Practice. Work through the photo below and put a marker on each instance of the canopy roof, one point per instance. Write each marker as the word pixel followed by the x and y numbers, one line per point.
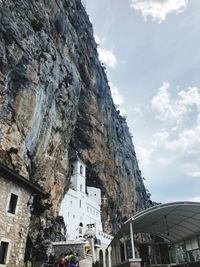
pixel 175 221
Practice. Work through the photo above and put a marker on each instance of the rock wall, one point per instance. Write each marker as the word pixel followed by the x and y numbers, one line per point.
pixel 55 100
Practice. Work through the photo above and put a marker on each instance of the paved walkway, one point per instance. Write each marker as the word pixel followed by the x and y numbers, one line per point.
pixel 86 262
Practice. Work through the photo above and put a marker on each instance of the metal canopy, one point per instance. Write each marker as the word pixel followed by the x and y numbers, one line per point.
pixel 175 221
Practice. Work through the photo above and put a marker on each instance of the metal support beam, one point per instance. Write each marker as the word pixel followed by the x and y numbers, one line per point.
pixel 119 259
pixel 132 241
pixel 125 248
pixel 113 255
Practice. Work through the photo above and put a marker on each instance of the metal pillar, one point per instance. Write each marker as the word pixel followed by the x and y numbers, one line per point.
pixel 125 248
pixel 176 257
pixel 118 252
pixel 132 241
pixel 109 257
pixel 114 253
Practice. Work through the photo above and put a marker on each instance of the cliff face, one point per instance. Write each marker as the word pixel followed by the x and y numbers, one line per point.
pixel 54 99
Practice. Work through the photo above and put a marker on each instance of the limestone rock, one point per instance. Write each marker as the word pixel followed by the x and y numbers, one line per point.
pixel 54 99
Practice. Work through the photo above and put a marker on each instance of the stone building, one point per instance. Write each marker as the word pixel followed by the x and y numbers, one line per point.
pixel 16 198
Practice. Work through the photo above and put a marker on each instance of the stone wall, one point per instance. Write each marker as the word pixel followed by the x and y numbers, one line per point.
pixel 14 227
pixel 64 248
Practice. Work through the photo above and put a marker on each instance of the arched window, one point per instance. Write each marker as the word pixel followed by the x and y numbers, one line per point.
pixel 81 169
pixel 81 187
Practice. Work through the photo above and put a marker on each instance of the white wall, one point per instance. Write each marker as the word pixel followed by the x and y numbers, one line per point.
pixel 78 207
pixel 94 194
pixel 78 177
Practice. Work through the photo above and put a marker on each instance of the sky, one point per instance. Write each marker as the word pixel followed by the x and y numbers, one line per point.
pixel 151 49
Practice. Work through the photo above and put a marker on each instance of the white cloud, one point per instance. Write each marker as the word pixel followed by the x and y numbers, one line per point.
pixel 186 140
pixel 158 9
pixel 165 161
pixel 190 97
pixel 159 138
pixel 144 156
pixel 177 120
pixel 195 199
pixel 195 174
pixel 107 57
pixel 117 98
pixel 178 117
pixel 161 103
pixel 98 39
pixel 168 108
pixel 116 95
pixel 138 110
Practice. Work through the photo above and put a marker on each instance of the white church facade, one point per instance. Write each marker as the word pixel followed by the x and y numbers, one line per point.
pixel 81 207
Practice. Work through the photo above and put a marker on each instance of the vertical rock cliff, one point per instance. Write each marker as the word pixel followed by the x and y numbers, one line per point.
pixel 55 100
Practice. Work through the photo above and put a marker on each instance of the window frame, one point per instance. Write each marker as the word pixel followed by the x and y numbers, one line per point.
pixel 7 252
pixel 81 169
pixel 13 203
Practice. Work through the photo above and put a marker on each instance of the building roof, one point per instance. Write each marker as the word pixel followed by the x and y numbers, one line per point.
pixel 13 176
pixel 176 221
pixel 76 157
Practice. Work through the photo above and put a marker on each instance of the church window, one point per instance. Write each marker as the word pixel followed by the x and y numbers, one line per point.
pixel 81 187
pixel 3 252
pixel 73 216
pixel 12 203
pixel 81 169
pixel 72 169
pixel 87 209
pixel 80 203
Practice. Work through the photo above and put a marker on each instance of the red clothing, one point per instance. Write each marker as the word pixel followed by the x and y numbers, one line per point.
pixel 62 262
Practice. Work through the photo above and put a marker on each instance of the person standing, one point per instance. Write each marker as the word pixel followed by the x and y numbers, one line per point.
pixel 62 261
pixel 74 262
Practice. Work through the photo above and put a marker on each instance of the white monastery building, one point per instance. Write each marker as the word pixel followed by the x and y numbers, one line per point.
pixel 81 207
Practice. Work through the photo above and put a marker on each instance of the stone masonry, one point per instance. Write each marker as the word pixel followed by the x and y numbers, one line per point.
pixel 14 227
